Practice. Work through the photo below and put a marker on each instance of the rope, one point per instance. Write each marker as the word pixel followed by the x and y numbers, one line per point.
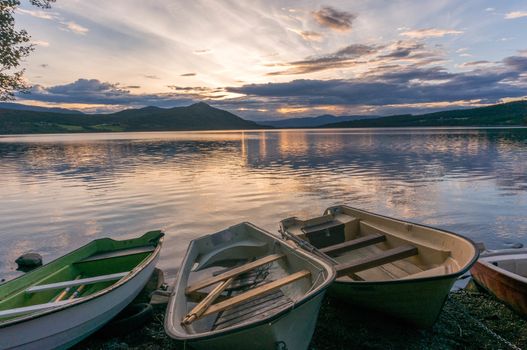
pixel 483 326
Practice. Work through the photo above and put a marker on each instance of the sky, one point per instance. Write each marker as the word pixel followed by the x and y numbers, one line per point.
pixel 276 59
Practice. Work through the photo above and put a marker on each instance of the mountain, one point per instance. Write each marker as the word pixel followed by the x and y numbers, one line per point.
pixel 309 122
pixel 505 114
pixel 21 107
pixel 199 116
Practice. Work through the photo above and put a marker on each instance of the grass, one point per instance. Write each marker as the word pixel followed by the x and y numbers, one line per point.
pixel 71 127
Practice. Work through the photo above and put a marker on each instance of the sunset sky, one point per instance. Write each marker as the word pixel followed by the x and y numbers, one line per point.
pixel 276 59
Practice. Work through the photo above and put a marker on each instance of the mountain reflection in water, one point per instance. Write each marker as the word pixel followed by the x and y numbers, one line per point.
pixel 58 192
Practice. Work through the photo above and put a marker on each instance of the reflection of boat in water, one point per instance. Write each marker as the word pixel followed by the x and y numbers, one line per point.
pixel 267 292
pixel 61 303
pixel 504 274
pixel 397 267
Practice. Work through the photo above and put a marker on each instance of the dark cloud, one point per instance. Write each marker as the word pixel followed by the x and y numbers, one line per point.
pixel 93 91
pixel 44 65
pixel 517 62
pixel 341 58
pixel 151 76
pixel 188 74
pixel 334 19
pixel 403 49
pixel 411 84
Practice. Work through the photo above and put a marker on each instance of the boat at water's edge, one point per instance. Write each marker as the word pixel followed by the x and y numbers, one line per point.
pixel 64 301
pixel 393 266
pixel 268 292
pixel 503 273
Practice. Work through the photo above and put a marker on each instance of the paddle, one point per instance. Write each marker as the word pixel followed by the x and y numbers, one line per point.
pixel 63 293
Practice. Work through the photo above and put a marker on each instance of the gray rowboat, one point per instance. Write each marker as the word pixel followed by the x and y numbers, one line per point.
pixel 244 288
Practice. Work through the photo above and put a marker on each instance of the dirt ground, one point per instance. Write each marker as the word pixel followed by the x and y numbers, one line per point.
pixel 471 319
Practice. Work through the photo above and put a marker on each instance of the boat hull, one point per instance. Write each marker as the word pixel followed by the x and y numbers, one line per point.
pixel 64 328
pixel 418 302
pixel 257 323
pixel 281 333
pixel 392 266
pixel 510 288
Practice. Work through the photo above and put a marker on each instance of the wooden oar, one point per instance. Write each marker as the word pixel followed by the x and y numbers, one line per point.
pixel 63 294
pixel 200 309
pixel 77 292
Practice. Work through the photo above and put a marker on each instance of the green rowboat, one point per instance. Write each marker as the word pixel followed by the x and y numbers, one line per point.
pixel 64 301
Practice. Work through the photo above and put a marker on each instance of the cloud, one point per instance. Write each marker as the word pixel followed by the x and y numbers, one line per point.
pixel 201 52
pixel 311 36
pixel 362 55
pixel 95 92
pixel 516 14
pixel 343 57
pixel 334 19
pixel 42 43
pixel 475 63
pixel 518 63
pixel 399 85
pixel 404 49
pixel 44 65
pixel 54 16
pixel 39 14
pixel 199 92
pixel 151 76
pixel 430 33
pixel 307 34
pixel 75 28
pixel 188 74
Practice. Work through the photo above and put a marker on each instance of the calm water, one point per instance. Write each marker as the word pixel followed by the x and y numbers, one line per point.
pixel 57 192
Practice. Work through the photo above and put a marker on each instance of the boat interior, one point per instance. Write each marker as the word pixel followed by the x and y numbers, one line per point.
pixel 368 247
pixel 515 262
pixel 81 273
pixel 238 276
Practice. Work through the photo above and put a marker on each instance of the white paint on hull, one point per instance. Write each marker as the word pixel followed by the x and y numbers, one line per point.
pixel 62 329
pixel 293 331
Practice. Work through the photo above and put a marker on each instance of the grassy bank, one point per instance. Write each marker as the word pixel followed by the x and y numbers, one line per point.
pixel 471 319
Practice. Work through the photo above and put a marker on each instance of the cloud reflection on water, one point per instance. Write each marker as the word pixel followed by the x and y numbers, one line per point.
pixel 61 191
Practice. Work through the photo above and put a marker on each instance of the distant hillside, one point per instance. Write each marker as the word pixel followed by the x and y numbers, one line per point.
pixel 505 114
pixel 199 116
pixel 308 122
pixel 21 107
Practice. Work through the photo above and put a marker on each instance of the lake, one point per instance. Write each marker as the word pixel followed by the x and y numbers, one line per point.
pixel 58 192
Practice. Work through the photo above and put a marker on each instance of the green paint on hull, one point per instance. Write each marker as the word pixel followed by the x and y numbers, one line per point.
pixel 13 293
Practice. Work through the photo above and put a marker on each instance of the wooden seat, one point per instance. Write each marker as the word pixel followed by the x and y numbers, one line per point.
pixel 385 257
pixel 354 244
pixel 77 282
pixel 258 291
pixel 232 273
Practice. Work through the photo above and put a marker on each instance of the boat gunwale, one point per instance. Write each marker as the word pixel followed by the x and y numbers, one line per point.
pixel 134 272
pixel 487 262
pixel 269 320
pixel 408 280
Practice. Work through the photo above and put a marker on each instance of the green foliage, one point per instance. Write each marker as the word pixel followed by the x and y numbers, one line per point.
pixel 14 46
pixel 199 116
pixel 505 114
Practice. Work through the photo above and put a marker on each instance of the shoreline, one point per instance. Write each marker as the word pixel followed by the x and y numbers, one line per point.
pixel 470 319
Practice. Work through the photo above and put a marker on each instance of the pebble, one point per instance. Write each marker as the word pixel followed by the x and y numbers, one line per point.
pixel 516 245
pixel 29 260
